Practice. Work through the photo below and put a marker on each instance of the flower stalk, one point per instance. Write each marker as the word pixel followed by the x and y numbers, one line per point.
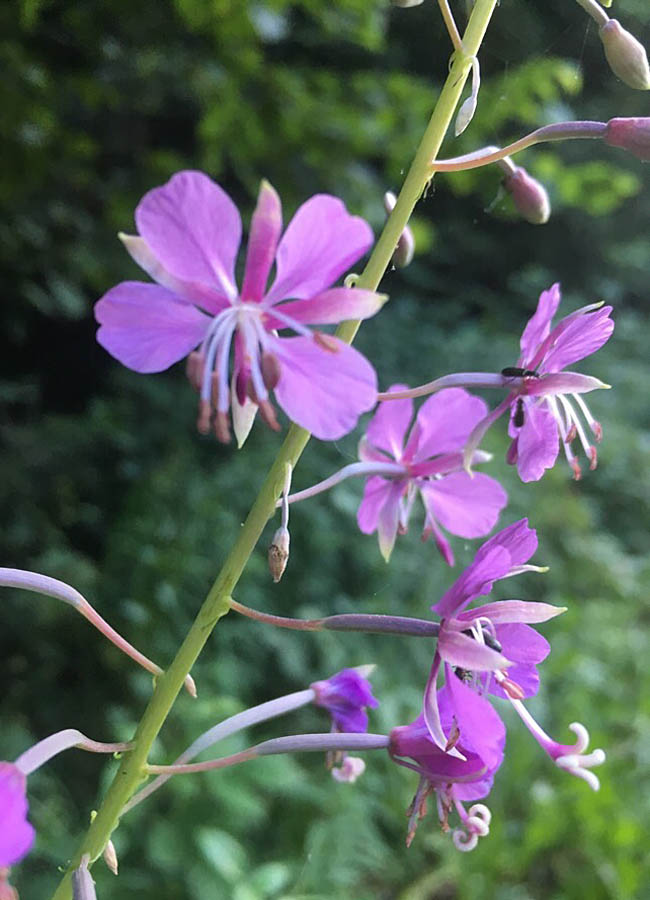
pixel 217 602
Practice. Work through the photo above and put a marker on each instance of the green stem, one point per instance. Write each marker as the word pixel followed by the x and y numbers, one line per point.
pixel 217 603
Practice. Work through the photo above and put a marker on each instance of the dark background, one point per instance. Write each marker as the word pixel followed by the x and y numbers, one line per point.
pixel 107 486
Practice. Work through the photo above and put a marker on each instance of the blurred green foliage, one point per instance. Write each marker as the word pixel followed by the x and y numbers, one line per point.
pixel 107 486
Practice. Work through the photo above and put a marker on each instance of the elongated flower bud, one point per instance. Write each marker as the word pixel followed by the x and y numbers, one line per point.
pixel 83 886
pixel 406 3
pixel 632 135
pixel 279 553
pixel 110 857
pixel 529 196
pixel 626 56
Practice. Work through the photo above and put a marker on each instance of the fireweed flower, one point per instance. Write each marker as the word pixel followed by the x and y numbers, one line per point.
pixel 429 461
pixel 544 401
pixel 492 649
pixel 189 236
pixel 346 696
pixel 454 779
pixel 16 834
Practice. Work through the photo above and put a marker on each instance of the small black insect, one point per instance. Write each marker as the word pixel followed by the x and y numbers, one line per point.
pixel 518 372
pixel 487 639
pixel 518 418
pixel 464 674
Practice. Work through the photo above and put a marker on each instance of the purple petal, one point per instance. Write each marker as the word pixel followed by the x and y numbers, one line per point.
pixel 146 327
pixel 518 539
pixel 522 644
pixel 506 611
pixel 321 242
pixel 581 337
pixel 193 228
pixel 538 443
pixel 266 228
pixel 481 729
pixel 345 695
pixel 465 505
pixel 444 422
pixel 333 306
pixel 475 581
pixel 322 390
pixel 16 834
pixel 539 325
pixel 375 494
pixel 414 741
pixel 387 428
pixel 460 649
pixel 200 294
pixel 368 453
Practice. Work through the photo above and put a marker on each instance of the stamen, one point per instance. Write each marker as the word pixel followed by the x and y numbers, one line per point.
pixel 418 808
pixel 572 416
pixel 350 769
pixel 595 426
pixel 270 369
pixel 194 368
pixel 222 427
pixel 326 341
pixel 511 688
pixel 298 327
pixel 203 421
pixel 562 428
pixel 267 412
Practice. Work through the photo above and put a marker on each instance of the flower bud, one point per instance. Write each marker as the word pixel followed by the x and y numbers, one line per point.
pixel 83 886
pixel 626 56
pixel 110 857
pixel 279 553
pixel 406 3
pixel 406 244
pixel 529 196
pixel 632 135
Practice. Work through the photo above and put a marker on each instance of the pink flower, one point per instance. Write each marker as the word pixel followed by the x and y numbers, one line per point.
pixel 428 461
pixel 489 649
pixel 16 834
pixel 465 776
pixel 544 401
pixel 189 236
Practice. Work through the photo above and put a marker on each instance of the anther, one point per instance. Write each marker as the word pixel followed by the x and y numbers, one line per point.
pixel 222 427
pixel 593 457
pixel 270 365
pixel 597 429
pixel 194 368
pixel 214 390
pixel 268 414
pixel 577 471
pixel 203 421
pixel 511 688
pixel 571 434
pixel 326 341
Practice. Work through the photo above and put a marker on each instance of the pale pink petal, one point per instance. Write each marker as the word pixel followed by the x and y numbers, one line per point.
pixel 537 444
pixel 581 337
pixel 333 306
pixel 265 231
pixel 375 494
pixel 146 327
pixel 444 422
pixel 387 428
pixel 202 295
pixel 539 325
pixel 460 649
pixel 465 505
pixel 505 611
pixel 193 228
pixel 430 709
pixel 324 391
pixel 321 242
pixel 564 383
